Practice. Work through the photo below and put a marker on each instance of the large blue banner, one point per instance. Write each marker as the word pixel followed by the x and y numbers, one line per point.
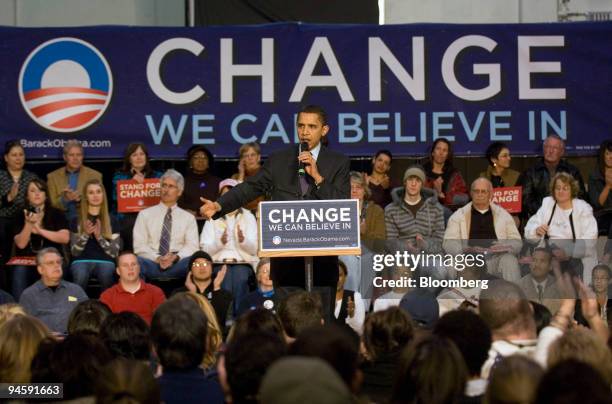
pixel 397 87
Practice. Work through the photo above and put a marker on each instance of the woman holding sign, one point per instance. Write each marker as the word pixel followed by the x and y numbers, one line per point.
pixel 499 172
pixel 94 246
pixel 135 167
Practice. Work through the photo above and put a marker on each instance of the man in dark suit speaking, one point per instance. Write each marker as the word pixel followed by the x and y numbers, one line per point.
pixel 326 177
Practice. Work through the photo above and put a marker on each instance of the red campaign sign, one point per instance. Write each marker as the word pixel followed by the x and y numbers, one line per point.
pixel 509 198
pixel 134 197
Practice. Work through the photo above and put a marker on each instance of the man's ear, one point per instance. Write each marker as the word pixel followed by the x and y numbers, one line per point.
pixel 325 130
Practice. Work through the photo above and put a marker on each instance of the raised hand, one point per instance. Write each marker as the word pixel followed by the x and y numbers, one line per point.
pixel 219 278
pixel 209 208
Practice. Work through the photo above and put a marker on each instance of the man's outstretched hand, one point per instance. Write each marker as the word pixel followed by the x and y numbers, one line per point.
pixel 209 208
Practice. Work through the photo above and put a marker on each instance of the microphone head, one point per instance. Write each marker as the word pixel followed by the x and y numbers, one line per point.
pixel 303 146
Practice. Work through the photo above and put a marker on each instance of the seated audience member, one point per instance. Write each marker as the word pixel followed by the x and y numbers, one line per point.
pixel 75 361
pixel 484 227
pixel 214 333
pixel 51 299
pixel 582 345
pixel 430 370
pixel 603 294
pixel 385 334
pixel 443 177
pixel 88 317
pixel 393 297
pixel 232 239
pixel 258 320
pixel 514 380
pixel 124 380
pixel 126 335
pixel 178 331
pixel 422 307
pixel 66 183
pixel 132 293
pixel 536 179
pixel 379 183
pixel 264 296
pixel 573 381
pixel 203 281
pixel 245 362
pixel 249 165
pixel 539 284
pixel 299 311
pixel 135 167
pixel 13 191
pixel 600 184
pixel 199 181
pixel 165 236
pixel 302 380
pixel 41 226
pixel 338 346
pixel 349 309
pixel 414 218
pixel 10 310
pixel 19 340
pixel 567 225
pixel 94 246
pixel 499 172
pixel 473 339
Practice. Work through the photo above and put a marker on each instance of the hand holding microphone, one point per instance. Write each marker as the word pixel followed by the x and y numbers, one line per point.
pixel 302 163
pixel 308 164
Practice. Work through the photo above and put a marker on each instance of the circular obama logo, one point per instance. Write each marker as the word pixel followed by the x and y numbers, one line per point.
pixel 276 240
pixel 65 85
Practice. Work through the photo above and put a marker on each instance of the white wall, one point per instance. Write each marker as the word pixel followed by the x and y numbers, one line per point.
pixel 57 13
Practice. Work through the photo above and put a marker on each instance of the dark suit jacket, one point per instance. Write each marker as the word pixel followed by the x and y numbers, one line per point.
pixel 278 177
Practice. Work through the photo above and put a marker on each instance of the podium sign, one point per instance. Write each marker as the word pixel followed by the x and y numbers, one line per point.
pixel 134 197
pixel 309 228
pixel 509 198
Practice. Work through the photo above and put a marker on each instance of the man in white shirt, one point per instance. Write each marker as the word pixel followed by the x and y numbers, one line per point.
pixel 165 236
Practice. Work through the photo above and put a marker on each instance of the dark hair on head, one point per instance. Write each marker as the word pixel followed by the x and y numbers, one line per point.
pixel 493 151
pixel 123 253
pixel 505 309
pixel 513 380
pixel 469 333
pixel 387 331
pixel 75 361
pixel 300 310
pixel 605 146
pixel 200 148
pixel 603 268
pixel 336 345
pixel 448 164
pixel 385 152
pixel 42 186
pixel 88 316
pixel 130 149
pixel 247 358
pixel 127 381
pixel 257 320
pixel 315 109
pixel 178 331
pixel 126 335
pixel 545 250
pixel 10 144
pixel 541 315
pixel 430 370
pixel 573 381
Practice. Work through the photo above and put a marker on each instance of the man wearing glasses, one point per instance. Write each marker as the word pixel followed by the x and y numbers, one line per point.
pixel 165 236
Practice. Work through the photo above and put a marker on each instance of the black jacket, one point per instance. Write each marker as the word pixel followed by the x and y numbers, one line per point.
pixel 536 183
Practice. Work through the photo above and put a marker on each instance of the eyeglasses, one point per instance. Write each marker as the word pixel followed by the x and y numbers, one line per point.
pixel 480 191
pixel 200 264
pixel 168 186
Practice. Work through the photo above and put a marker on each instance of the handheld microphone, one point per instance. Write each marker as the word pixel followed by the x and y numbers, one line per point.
pixel 303 147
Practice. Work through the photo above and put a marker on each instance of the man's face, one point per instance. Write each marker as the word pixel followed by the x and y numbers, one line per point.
pixel 310 129
pixel 540 266
pixel 481 194
pixel 601 281
pixel 50 269
pixel 553 150
pixel 74 158
pixel 201 270
pixel 169 191
pixel 413 186
pixel 263 276
pixel 128 268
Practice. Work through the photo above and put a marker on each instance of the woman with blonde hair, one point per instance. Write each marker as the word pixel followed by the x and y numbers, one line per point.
pixel 214 335
pixel 94 246
pixel 10 310
pixel 567 225
pixel 19 340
